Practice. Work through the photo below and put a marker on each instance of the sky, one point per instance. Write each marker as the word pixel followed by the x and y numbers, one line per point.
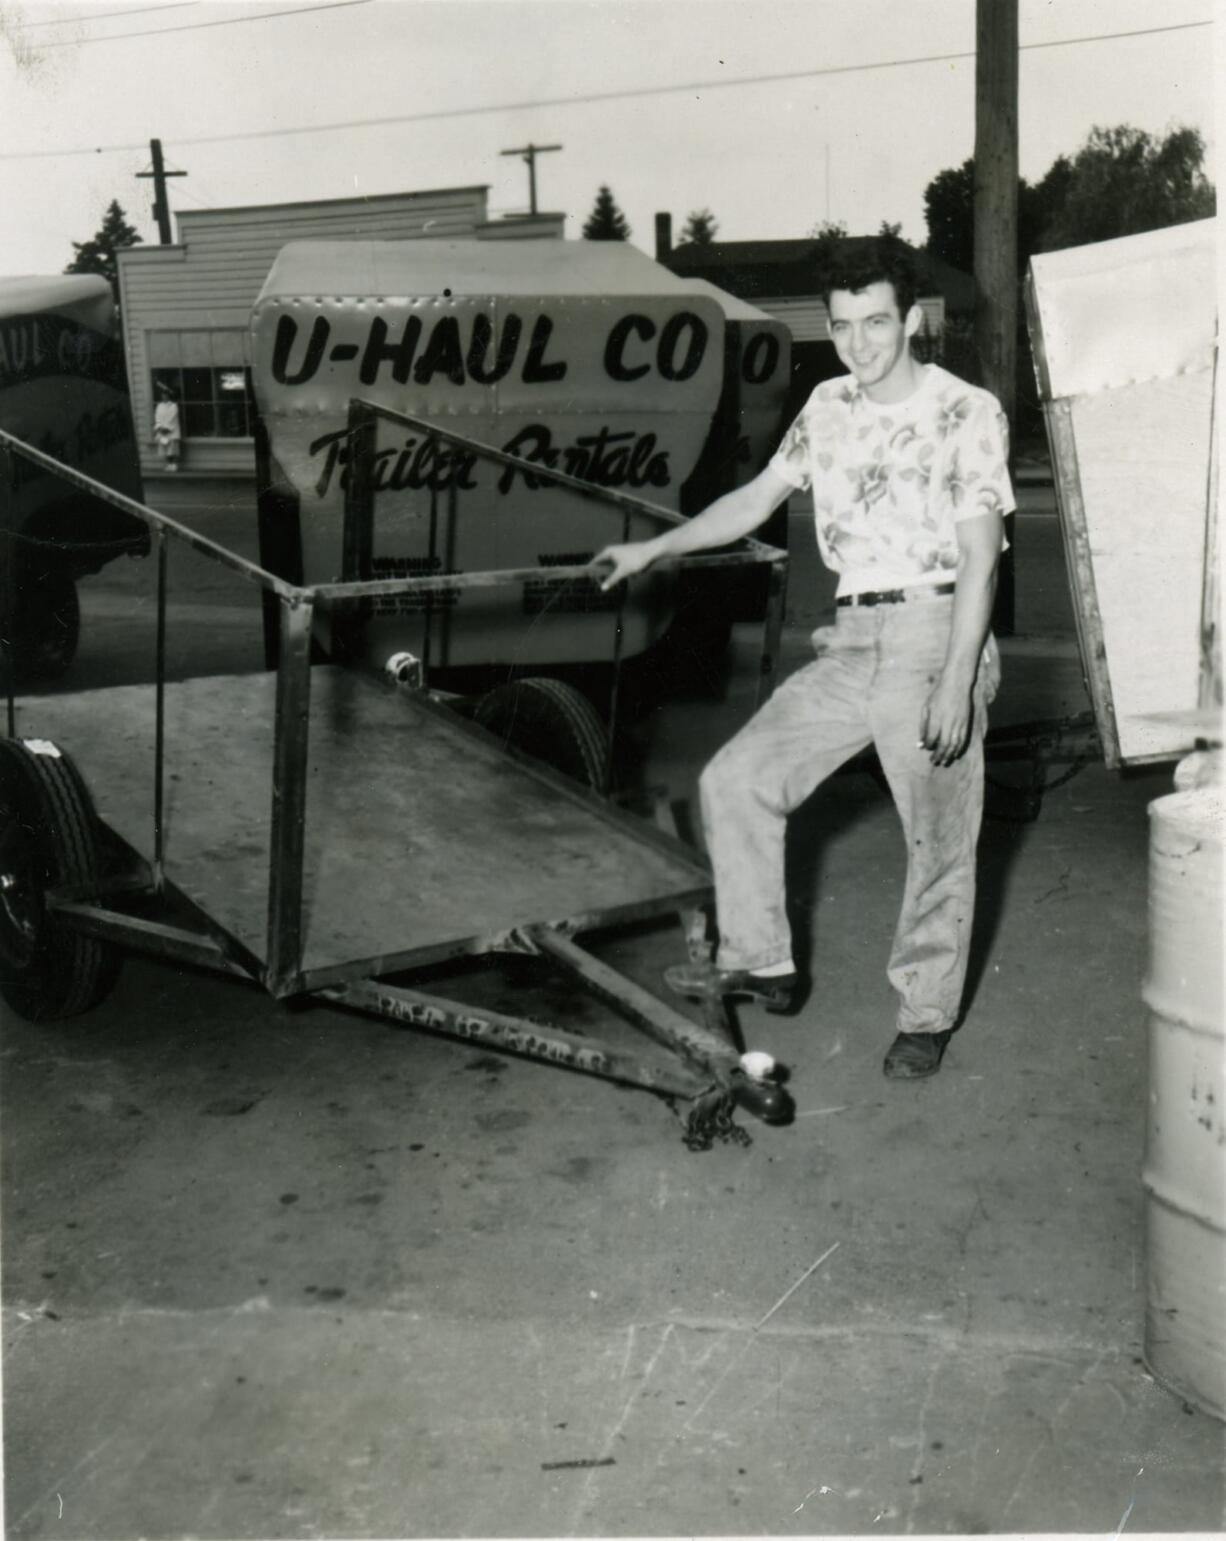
pixel 774 114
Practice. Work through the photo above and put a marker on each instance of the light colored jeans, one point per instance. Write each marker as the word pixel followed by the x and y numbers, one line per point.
pixel 873 672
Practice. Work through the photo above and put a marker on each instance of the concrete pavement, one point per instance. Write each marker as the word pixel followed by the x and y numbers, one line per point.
pixel 272 1273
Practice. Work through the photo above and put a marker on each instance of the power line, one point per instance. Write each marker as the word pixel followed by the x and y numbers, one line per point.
pixel 69 21
pixel 197 26
pixel 580 100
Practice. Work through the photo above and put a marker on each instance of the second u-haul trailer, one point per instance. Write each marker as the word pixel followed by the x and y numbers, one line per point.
pixel 63 391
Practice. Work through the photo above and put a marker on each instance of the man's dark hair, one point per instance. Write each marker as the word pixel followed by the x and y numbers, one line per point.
pixel 858 261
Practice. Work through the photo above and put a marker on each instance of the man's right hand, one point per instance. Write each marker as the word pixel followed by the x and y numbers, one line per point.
pixel 625 561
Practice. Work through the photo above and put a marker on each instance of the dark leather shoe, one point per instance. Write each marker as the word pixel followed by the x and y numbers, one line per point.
pixel 914 1055
pixel 703 981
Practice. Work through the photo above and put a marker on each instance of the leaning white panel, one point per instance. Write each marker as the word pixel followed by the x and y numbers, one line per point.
pixel 1124 335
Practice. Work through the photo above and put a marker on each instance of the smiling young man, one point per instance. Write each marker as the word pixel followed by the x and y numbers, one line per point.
pixel 907 466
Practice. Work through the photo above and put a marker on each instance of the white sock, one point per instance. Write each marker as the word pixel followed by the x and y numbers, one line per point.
pixel 774 970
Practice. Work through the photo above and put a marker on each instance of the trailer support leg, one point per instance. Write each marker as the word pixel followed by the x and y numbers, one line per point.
pixel 289 799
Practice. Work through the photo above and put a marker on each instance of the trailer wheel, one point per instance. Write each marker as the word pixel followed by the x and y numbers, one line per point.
pixel 48 838
pixel 551 721
pixel 47 625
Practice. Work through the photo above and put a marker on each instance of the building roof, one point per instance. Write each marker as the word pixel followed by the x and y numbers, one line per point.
pixel 784 269
pixel 545 267
pixel 354 200
pixel 468 267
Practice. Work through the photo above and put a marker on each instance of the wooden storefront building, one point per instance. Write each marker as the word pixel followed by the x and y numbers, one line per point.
pixel 186 306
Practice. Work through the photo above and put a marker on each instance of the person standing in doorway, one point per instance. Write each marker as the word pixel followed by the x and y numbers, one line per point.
pixel 907 467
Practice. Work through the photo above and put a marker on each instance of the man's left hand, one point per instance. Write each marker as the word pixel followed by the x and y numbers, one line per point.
pixel 945 723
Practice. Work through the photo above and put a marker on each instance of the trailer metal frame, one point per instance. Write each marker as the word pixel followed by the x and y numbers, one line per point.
pixel 138 905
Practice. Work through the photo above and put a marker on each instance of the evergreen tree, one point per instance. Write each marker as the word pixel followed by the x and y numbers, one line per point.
pixel 700 228
pixel 606 222
pixel 98 255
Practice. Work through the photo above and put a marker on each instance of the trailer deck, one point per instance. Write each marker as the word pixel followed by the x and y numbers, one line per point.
pixel 423 837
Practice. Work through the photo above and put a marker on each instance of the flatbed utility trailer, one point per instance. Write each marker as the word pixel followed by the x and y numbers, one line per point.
pixel 396 835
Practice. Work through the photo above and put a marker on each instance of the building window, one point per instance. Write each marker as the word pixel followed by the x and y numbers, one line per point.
pixel 206 373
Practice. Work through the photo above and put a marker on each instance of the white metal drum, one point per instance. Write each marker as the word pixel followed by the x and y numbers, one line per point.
pixel 1185 1162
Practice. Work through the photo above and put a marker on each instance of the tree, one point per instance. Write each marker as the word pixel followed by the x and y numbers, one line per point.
pixel 827 237
pixel 949 211
pixel 606 222
pixel 98 255
pixel 700 228
pixel 890 231
pixel 1039 205
pixel 1123 181
pixel 828 230
pixel 1120 182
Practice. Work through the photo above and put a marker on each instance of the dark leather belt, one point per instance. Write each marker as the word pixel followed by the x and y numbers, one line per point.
pixel 896 596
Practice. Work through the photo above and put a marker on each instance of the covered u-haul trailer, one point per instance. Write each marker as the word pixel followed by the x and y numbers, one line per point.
pixel 747 425
pixel 584 356
pixel 745 433
pixel 1124 335
pixel 62 389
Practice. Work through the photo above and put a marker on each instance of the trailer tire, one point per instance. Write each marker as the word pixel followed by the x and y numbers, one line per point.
pixel 47 625
pixel 551 721
pixel 48 838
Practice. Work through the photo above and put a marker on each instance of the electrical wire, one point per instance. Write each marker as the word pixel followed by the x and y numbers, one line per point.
pixel 197 26
pixel 70 21
pixel 573 100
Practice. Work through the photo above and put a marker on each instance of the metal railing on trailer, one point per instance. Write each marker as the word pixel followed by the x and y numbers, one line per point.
pixel 358 540
pixel 709 1045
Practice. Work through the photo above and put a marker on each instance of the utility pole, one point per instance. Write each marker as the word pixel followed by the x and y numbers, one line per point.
pixel 996 169
pixel 161 204
pixel 529 153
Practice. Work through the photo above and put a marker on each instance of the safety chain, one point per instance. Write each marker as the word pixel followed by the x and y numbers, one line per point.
pixel 710 1119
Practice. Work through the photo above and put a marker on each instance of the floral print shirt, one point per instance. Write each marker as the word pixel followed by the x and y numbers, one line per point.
pixel 890 483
